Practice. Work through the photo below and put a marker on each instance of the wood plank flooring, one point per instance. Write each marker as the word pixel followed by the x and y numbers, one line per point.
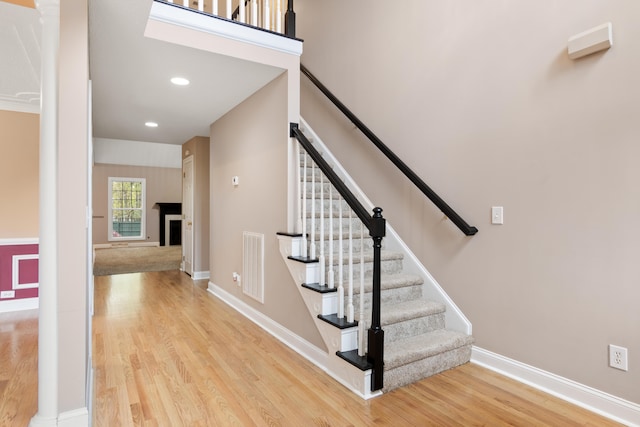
pixel 167 353
pixel 18 367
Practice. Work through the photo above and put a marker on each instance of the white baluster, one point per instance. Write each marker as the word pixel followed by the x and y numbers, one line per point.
pixel 321 259
pixel 214 7
pixel 361 323
pixel 279 16
pixel 350 315
pixel 201 5
pixel 340 261
pixel 185 3
pixel 304 206
pixel 330 273
pixel 254 13
pixel 229 10
pixel 299 188
pixel 242 15
pixel 266 15
pixel 312 234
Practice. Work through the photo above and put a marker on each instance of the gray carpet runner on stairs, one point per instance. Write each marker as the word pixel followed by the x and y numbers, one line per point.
pixel 417 343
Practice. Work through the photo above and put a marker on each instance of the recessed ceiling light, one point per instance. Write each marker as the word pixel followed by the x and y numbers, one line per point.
pixel 179 81
pixel 151 124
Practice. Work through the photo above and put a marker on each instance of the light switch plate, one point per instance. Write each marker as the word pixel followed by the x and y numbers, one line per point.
pixel 497 215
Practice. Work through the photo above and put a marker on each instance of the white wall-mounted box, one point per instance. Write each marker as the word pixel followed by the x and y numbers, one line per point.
pixel 590 41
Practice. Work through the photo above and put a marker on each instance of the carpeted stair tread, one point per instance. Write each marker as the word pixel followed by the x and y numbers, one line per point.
pixel 394 281
pixel 389 282
pixel 408 350
pixel 368 257
pixel 409 310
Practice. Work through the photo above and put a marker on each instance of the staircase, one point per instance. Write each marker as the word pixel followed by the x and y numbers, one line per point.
pixel 417 343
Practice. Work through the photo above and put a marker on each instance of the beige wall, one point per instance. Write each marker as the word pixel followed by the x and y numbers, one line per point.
pixel 480 99
pixel 19 151
pixel 162 185
pixel 257 154
pixel 198 147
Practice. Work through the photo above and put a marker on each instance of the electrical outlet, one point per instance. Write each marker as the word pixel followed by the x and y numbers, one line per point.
pixel 236 278
pixel 8 294
pixel 618 357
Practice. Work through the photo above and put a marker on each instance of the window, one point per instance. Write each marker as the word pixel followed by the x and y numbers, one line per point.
pixel 126 208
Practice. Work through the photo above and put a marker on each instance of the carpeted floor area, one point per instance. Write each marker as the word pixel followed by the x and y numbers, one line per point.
pixel 136 259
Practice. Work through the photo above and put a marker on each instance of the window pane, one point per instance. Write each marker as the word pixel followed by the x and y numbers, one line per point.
pixel 127 209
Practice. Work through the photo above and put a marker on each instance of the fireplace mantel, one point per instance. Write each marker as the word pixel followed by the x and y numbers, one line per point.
pixel 167 209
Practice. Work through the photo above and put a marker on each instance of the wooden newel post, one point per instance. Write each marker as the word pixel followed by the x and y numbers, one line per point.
pixel 290 20
pixel 375 354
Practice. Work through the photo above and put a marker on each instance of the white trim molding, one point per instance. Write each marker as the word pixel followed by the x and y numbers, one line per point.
pixel 75 418
pixel 21 241
pixel 200 275
pixel 581 395
pixel 19 107
pixel 19 304
pixel 15 271
pixel 288 338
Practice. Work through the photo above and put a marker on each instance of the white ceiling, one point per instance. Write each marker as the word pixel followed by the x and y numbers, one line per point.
pixel 20 37
pixel 130 74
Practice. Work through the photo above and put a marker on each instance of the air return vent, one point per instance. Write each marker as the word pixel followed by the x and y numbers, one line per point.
pixel 253 265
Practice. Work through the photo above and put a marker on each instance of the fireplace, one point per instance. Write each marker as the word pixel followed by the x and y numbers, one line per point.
pixel 170 223
pixel 172 230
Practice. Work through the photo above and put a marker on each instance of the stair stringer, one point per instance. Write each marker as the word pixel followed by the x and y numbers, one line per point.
pixel 356 380
pixel 431 289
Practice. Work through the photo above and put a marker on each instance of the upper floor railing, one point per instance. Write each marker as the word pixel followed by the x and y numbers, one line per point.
pixel 272 15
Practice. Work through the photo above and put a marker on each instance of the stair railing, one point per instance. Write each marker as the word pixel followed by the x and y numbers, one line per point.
pixel 375 224
pixel 413 177
pixel 266 14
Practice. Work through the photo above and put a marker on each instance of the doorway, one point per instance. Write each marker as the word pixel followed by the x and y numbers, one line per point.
pixel 187 215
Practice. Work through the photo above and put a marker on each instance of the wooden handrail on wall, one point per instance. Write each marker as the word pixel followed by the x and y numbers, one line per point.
pixel 413 177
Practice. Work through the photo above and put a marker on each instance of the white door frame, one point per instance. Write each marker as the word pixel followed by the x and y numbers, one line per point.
pixel 187 223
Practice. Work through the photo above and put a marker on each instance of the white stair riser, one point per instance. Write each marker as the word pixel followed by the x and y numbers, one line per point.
pixel 303 272
pixel 338 339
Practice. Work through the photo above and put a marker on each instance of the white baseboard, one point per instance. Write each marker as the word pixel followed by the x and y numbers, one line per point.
pixel 75 418
pixel 19 305
pixel 124 245
pixel 200 275
pixel 298 344
pixel 581 395
pixel 301 346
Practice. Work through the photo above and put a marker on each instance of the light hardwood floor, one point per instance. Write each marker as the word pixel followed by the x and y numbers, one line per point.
pixel 167 353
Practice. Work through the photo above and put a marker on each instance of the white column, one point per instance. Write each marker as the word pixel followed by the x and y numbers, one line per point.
pixel 48 265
